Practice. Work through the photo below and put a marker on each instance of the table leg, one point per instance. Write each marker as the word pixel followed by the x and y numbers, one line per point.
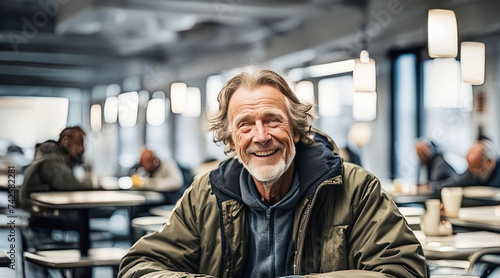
pixel 84 231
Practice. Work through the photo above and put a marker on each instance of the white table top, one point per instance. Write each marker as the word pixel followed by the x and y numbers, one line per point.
pixel 86 199
pixel 482 192
pixel 412 211
pixel 71 258
pixel 483 218
pixel 165 210
pixel 487 214
pixel 456 246
pixel 149 223
pixel 405 191
pixel 4 260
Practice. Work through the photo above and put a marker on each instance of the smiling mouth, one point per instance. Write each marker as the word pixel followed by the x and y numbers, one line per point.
pixel 264 154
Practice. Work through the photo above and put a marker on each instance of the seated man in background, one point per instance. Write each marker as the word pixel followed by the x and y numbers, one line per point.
pixel 432 159
pixel 52 168
pixel 157 175
pixel 284 204
pixel 483 168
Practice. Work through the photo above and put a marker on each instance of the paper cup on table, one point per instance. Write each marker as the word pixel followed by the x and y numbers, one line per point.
pixel 452 200
pixel 430 221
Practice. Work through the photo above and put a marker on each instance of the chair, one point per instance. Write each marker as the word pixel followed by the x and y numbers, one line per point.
pixel 72 260
pixel 147 224
pixel 485 262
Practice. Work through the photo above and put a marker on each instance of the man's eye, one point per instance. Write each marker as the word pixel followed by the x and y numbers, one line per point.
pixel 245 127
pixel 274 122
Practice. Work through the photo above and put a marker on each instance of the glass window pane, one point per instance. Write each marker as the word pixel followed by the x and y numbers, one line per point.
pixel 405 116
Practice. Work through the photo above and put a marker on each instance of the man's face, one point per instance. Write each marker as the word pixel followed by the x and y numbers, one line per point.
pixel 261 133
pixel 149 161
pixel 75 147
pixel 478 166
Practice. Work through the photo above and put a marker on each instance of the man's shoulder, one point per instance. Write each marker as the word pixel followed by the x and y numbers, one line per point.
pixel 46 148
pixel 200 187
pixel 357 179
pixel 351 170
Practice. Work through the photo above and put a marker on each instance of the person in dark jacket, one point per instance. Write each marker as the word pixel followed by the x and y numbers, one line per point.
pixel 52 170
pixel 283 204
pixel 52 167
pixel 430 157
pixel 483 168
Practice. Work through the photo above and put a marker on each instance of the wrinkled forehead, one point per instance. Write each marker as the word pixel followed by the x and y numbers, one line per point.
pixel 264 96
pixel 475 155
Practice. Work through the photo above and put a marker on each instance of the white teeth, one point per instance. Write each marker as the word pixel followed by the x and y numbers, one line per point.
pixel 265 153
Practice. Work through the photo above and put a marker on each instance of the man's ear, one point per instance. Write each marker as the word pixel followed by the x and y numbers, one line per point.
pixel 232 146
pixel 491 163
pixel 65 142
pixel 296 136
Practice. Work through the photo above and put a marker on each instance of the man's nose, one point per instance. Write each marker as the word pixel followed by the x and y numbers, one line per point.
pixel 261 133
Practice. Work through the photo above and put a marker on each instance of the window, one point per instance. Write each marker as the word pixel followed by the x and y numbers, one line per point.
pixel 405 116
pixel 335 98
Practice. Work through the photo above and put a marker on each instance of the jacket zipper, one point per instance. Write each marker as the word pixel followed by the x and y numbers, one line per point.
pixel 303 224
pixel 225 219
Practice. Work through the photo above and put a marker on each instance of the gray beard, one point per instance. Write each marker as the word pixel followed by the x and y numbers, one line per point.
pixel 268 183
pixel 483 176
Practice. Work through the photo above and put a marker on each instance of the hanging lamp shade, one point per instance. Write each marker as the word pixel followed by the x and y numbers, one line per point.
pixel 193 102
pixel 95 117
pixel 305 92
pixel 472 60
pixel 442 34
pixel 442 88
pixel 364 106
pixel 364 74
pixel 178 92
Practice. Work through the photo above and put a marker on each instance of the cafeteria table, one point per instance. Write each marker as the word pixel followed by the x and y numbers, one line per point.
pixel 4 260
pixel 482 193
pixel 83 201
pixel 72 258
pixel 458 246
pixel 482 218
pixel 405 192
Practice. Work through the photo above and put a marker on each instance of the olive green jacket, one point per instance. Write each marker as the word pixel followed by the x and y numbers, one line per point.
pixel 345 226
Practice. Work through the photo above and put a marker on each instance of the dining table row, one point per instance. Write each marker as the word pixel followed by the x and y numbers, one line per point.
pixel 459 230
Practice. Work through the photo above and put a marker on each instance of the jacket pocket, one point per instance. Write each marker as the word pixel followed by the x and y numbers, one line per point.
pixel 334 246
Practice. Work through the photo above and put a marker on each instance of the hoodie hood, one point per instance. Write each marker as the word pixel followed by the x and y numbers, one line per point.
pixel 313 163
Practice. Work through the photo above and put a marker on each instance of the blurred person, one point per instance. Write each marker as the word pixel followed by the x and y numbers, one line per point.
pixel 483 168
pixel 433 162
pixel 154 174
pixel 284 204
pixel 16 154
pixel 52 168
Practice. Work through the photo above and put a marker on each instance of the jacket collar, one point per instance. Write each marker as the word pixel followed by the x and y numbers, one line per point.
pixel 313 163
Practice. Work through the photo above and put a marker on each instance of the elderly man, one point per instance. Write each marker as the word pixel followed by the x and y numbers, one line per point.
pixel 159 175
pixel 52 168
pixel 285 204
pixel 483 168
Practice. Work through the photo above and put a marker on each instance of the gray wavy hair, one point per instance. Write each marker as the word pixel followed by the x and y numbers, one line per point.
pixel 489 150
pixel 300 114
